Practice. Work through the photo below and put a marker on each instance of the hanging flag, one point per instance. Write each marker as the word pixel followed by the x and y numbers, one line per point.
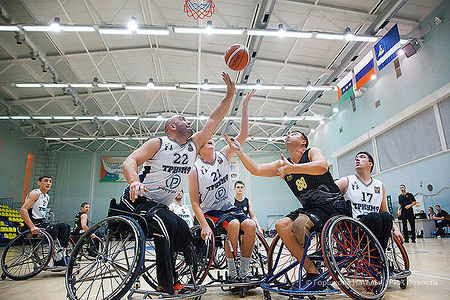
pixel 364 70
pixel 345 87
pixel 386 49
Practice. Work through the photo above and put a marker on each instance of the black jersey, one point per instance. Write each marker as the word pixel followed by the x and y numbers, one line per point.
pixel 313 190
pixel 78 229
pixel 242 205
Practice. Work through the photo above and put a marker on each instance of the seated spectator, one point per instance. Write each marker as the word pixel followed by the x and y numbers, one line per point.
pixel 421 215
pixel 431 213
pixel 442 218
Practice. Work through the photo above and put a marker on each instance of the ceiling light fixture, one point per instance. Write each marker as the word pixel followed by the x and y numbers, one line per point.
pixel 109 85
pixel 205 85
pixel 159 117
pixel 116 116
pixel 150 83
pixel 81 85
pixel 29 85
pixel 329 36
pixel 309 86
pixel 67 28
pixel 132 25
pixel 281 30
pixel 114 31
pixel 55 85
pixel 55 26
pixel 335 110
pixel 9 28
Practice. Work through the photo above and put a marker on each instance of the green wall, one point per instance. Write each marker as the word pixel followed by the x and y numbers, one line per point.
pixel 13 160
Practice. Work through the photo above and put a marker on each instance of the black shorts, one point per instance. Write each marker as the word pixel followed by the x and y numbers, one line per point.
pixel 321 214
pixel 225 217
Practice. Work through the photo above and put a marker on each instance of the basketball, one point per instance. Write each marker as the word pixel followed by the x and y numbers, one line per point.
pixel 237 57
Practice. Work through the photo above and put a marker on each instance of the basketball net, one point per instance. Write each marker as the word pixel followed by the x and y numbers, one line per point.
pixel 199 9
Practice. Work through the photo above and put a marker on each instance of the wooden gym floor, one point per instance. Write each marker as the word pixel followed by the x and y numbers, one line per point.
pixel 429 263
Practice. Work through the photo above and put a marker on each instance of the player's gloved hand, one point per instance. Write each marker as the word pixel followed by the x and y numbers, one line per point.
pixel 206 232
pixel 137 188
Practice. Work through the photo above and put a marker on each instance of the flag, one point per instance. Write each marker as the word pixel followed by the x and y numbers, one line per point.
pixel 345 87
pixel 364 70
pixel 386 49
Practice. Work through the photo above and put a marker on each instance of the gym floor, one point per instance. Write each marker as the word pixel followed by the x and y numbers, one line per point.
pixel 428 257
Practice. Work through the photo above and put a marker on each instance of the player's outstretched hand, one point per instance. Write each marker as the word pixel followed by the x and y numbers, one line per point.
pixel 248 97
pixel 285 168
pixel 231 87
pixel 232 142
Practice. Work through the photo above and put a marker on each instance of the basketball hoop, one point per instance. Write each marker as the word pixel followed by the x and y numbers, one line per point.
pixel 199 9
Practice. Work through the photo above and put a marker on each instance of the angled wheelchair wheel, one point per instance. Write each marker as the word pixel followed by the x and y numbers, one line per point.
pixel 260 255
pixel 398 261
pixel 27 255
pixel 280 258
pixel 220 259
pixel 149 268
pixel 117 262
pixel 203 253
pixel 354 258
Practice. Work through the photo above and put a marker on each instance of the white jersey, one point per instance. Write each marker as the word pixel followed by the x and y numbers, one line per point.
pixel 164 174
pixel 214 183
pixel 39 209
pixel 183 212
pixel 364 198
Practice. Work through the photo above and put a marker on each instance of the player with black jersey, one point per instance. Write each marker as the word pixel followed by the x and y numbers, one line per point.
pixel 306 173
pixel 167 162
pixel 243 203
pixel 81 219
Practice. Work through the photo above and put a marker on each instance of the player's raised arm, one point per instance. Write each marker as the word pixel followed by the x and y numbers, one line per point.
pixel 202 137
pixel 264 170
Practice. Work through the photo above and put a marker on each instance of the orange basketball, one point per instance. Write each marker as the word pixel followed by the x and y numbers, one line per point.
pixel 237 57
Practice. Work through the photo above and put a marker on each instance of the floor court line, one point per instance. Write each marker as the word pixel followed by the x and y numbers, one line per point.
pixel 431 276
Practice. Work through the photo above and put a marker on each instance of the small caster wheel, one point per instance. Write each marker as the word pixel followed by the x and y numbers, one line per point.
pixel 267 295
pixel 403 283
pixel 243 292
pixel 3 276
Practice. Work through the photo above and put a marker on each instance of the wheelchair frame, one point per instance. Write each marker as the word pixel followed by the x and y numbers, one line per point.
pixel 332 265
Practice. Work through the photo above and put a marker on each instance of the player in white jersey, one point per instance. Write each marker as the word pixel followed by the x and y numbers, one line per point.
pixel 34 213
pixel 167 161
pixel 182 210
pixel 211 193
pixel 368 199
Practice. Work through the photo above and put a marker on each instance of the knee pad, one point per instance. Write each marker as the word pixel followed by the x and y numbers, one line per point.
pixel 301 227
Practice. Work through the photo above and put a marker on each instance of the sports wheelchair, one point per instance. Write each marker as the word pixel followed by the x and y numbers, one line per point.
pixel 346 253
pixel 28 254
pixel 127 255
pixel 211 254
pixel 398 261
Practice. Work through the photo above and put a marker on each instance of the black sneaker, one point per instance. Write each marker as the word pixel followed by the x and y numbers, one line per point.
pixel 60 263
pixel 314 285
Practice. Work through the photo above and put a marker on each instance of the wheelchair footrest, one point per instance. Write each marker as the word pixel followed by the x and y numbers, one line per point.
pixel 250 283
pixel 148 294
pixel 298 292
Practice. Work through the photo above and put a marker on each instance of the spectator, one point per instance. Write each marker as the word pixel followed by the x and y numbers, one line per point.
pixel 421 215
pixel 431 213
pixel 442 219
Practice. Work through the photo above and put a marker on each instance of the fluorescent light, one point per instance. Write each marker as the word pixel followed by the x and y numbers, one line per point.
pixel 62 117
pixel 37 28
pixel 401 52
pixel 299 34
pixel 263 32
pixel 322 122
pixel 329 36
pixel 69 138
pixel 403 41
pixel 87 138
pixel 335 109
pixel 4 117
pixel 52 139
pixel 258 87
pixel 164 88
pixel 84 118
pixel 42 117
pixel 320 88
pixel 295 88
pixel 55 27
pixel 121 138
pixel 373 77
pixel 191 86
pixel 81 85
pixel 312 130
pixel 209 30
pixel 9 28
pixel 360 38
pixel 28 85
pixel 55 85
pixel 67 28
pixel 20 117
pixel 109 85
pixel 155 31
pixel 114 31
pixel 137 87
pixel 105 118
pixel 145 119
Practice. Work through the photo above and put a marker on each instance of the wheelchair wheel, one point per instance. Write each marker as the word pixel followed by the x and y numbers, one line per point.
pixel 354 258
pixel 27 255
pixel 260 256
pixel 220 259
pixel 115 268
pixel 149 269
pixel 203 253
pixel 286 258
pixel 398 260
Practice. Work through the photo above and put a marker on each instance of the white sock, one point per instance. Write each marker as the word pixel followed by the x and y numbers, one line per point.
pixel 59 256
pixel 232 267
pixel 245 266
